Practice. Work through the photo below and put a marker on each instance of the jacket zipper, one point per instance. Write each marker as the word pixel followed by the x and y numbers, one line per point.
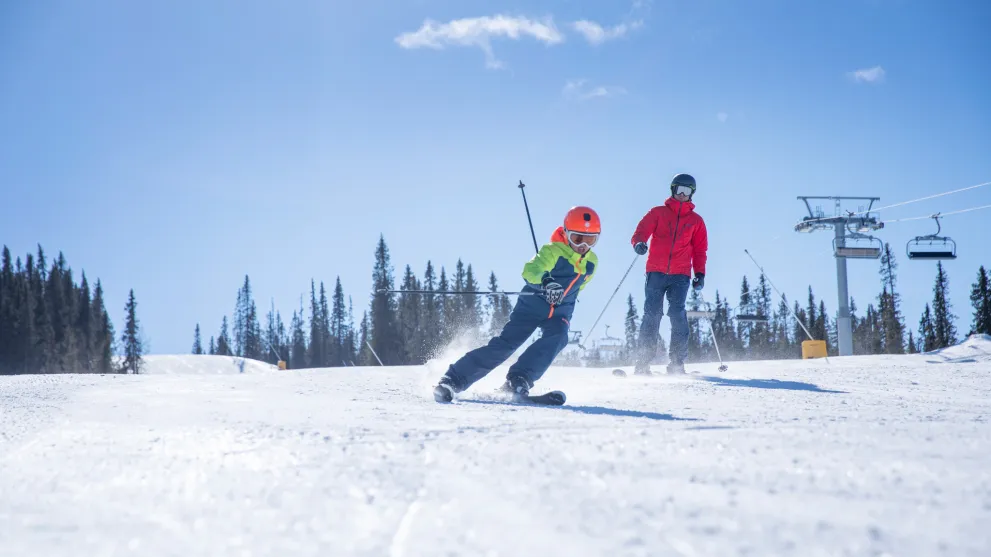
pixel 674 236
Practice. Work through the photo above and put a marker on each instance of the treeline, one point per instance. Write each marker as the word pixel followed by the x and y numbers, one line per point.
pixel 395 328
pixel 50 324
pixel 881 329
pixel 409 327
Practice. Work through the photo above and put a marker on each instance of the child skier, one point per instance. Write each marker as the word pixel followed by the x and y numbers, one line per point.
pixel 554 277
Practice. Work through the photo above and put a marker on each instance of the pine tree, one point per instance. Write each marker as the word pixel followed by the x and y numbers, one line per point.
pixel 631 326
pixel 317 355
pixel 365 356
pixel 783 347
pixel 431 312
pixel 500 307
pixel 822 325
pixel 131 338
pixel 272 339
pixel 330 357
pixel 297 355
pixel 912 348
pixel 448 310
pixel 927 331
pixel 409 308
pixel 197 341
pixel 83 327
pixel 351 339
pixel 945 330
pixel 224 340
pixel 980 298
pixel 892 324
pixel 384 327
pixel 761 336
pixel 105 341
pixel 339 325
pixel 8 314
pixel 43 349
pixel 471 304
pixel 743 329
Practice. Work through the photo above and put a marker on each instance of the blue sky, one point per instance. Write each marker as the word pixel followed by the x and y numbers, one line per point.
pixel 175 147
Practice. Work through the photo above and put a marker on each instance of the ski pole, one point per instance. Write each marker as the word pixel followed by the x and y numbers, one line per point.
pixel 582 346
pixel 527 207
pixel 722 366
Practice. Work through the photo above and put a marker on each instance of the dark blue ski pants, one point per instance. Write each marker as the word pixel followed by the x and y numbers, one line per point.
pixel 675 288
pixel 529 314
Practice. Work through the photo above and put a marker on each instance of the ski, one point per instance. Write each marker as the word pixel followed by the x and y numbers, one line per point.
pixel 553 398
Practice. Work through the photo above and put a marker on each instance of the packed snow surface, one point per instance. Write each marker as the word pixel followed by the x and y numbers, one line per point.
pixel 880 455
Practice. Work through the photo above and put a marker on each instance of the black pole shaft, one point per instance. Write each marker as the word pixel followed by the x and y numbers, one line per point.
pixel 530 222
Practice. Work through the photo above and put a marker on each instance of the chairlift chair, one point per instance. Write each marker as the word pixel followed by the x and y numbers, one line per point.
pixel 857 246
pixel 701 311
pixel 932 247
pixel 748 313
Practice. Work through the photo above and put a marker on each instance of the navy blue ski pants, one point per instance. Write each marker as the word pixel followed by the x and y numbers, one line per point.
pixel 675 287
pixel 526 317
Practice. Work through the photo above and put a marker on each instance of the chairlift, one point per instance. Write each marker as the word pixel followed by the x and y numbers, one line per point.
pixel 747 313
pixel 857 246
pixel 701 311
pixel 576 337
pixel 932 247
pixel 700 314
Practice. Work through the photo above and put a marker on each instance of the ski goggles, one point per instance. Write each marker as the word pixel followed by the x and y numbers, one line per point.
pixel 683 190
pixel 578 239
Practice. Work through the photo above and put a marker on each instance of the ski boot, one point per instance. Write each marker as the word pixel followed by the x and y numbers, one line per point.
pixel 445 390
pixel 642 369
pixel 518 386
pixel 676 368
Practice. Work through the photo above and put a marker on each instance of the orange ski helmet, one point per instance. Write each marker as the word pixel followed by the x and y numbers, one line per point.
pixel 582 226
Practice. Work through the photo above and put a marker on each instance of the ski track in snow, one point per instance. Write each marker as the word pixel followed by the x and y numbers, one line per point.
pixel 879 455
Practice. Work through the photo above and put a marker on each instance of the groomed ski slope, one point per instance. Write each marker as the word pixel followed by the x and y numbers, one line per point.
pixel 880 455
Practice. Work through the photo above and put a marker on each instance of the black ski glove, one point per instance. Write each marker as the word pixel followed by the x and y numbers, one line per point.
pixel 553 292
pixel 698 282
pixel 640 248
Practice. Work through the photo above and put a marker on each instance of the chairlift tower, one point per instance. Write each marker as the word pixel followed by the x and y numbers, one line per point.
pixel 851 241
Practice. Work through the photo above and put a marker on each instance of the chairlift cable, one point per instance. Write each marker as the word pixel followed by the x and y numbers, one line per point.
pixel 941 215
pixel 926 198
pixel 923 199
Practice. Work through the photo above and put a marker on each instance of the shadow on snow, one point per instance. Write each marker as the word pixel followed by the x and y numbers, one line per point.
pixel 767 384
pixel 591 410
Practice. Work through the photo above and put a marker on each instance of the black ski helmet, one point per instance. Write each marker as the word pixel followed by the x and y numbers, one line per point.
pixel 683 180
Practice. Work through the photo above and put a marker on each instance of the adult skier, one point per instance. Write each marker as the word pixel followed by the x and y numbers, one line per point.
pixel 554 276
pixel 678 244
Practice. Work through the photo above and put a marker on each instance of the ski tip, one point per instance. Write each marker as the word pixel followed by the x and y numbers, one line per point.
pixel 619 373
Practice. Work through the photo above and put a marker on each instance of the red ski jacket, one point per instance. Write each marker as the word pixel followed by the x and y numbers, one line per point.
pixel 678 239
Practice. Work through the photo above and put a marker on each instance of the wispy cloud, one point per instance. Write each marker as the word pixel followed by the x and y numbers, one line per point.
pixel 868 75
pixel 577 89
pixel 597 34
pixel 478 32
pixel 722 117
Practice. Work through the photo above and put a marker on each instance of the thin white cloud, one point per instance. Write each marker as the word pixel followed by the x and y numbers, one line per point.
pixel 478 32
pixel 576 89
pixel 868 75
pixel 597 34
pixel 722 117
